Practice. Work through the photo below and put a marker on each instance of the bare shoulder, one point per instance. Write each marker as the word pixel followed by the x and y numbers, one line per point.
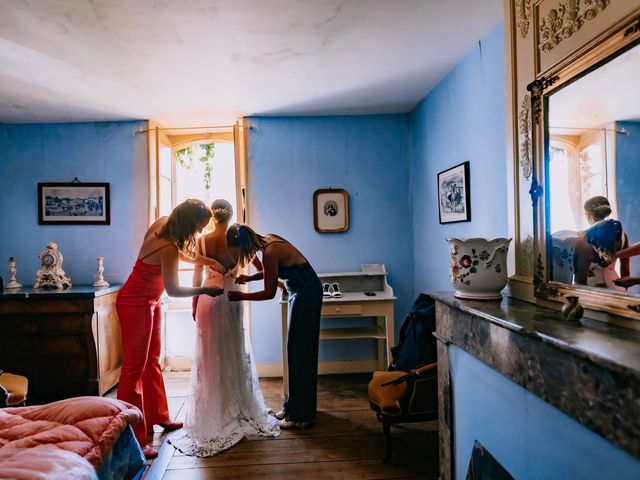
pixel 156 226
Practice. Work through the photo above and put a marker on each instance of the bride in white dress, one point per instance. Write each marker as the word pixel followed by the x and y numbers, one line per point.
pixel 225 402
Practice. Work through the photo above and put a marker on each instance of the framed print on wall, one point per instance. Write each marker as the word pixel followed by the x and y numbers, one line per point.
pixel 76 203
pixel 331 210
pixel 454 199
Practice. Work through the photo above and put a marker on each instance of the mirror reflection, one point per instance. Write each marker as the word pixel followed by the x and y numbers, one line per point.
pixel 593 167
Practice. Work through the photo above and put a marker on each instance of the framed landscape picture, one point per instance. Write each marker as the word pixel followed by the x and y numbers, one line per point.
pixel 454 200
pixel 331 210
pixel 73 203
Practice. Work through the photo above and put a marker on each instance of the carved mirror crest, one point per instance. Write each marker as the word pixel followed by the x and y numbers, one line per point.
pixel 585 186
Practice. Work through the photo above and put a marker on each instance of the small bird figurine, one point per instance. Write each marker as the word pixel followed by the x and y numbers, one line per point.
pixel 573 310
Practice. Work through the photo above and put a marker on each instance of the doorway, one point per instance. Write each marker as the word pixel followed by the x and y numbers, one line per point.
pixel 194 163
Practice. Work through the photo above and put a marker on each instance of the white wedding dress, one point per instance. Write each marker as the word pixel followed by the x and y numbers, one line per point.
pixel 225 402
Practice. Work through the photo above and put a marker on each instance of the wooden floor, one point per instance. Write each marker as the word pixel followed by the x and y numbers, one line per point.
pixel 346 443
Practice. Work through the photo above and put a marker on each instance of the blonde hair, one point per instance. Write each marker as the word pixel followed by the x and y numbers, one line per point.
pixel 183 223
pixel 222 210
pixel 248 241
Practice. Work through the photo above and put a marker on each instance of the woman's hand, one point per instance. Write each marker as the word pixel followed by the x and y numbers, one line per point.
pixel 234 295
pixel 242 279
pixel 212 291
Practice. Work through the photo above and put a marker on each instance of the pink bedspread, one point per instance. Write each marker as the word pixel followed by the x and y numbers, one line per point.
pixel 86 426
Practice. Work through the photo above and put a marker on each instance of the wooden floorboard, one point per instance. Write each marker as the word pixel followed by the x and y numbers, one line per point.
pixel 345 443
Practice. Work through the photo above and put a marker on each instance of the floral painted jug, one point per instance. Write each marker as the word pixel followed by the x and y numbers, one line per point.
pixel 479 267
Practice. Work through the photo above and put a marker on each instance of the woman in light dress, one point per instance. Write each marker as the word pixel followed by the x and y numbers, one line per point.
pixel 225 402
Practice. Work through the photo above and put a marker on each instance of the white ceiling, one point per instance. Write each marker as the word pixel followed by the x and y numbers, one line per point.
pixel 194 62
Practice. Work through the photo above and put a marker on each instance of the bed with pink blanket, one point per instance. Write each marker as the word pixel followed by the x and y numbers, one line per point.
pixel 83 437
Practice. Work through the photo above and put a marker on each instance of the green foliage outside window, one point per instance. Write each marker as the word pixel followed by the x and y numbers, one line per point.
pixel 198 153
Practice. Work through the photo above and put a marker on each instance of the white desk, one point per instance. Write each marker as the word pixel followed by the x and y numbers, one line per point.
pixel 353 303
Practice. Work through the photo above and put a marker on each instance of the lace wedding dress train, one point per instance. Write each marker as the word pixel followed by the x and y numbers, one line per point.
pixel 225 402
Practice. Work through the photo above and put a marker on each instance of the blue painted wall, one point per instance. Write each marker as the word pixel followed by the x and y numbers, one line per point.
pixel 461 119
pixel 93 152
pixel 290 158
pixel 529 437
pixel 628 186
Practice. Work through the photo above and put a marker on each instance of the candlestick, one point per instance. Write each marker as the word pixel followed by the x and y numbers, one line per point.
pixel 12 275
pixel 99 279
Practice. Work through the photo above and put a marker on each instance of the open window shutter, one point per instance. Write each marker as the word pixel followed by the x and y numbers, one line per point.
pixel 240 140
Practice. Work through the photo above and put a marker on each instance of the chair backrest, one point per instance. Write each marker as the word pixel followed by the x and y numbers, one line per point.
pixel 4 395
pixel 416 344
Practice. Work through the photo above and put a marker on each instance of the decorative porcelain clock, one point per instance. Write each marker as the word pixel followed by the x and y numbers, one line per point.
pixel 51 274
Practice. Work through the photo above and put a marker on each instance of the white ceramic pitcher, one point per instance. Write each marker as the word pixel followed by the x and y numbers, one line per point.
pixel 479 267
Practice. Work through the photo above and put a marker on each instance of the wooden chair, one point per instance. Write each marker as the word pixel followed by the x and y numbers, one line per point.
pixel 13 390
pixel 401 397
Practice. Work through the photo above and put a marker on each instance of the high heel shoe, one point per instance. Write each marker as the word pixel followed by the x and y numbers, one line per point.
pixel 167 427
pixel 335 290
pixel 149 452
pixel 171 426
pixel 287 423
pixel 326 290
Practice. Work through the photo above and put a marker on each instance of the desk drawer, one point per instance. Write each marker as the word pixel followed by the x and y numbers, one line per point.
pixel 333 310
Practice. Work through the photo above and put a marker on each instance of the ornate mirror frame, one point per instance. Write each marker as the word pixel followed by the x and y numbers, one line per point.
pixel 603 304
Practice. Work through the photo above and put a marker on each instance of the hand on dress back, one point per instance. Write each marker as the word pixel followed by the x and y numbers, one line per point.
pixel 213 291
pixel 234 295
pixel 242 279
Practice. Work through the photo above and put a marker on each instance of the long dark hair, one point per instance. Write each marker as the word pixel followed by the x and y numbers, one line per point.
pixel 183 224
pixel 247 240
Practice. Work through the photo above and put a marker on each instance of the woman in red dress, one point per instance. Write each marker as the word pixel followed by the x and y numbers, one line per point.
pixel 138 304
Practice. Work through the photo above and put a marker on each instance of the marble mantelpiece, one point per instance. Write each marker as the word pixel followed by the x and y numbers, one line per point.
pixel 590 372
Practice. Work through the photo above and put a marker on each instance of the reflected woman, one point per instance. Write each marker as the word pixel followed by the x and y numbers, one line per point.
pixel 595 249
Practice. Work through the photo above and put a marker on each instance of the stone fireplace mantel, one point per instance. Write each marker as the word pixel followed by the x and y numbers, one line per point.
pixel 589 372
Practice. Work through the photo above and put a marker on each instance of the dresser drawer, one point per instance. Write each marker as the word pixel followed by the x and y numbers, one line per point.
pixel 334 310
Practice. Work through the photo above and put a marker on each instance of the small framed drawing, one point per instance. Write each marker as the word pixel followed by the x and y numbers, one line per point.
pixel 331 210
pixel 454 200
pixel 76 203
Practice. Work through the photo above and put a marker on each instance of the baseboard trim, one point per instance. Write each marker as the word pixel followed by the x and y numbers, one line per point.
pixel 183 364
pixel 327 367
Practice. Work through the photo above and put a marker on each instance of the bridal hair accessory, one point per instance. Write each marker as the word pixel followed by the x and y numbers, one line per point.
pixel 222 213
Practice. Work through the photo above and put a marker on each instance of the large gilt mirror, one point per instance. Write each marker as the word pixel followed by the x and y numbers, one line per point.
pixel 586 188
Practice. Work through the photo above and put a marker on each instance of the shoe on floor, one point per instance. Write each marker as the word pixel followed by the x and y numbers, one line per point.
pixel 171 426
pixel 281 414
pixel 335 290
pixel 149 453
pixel 326 290
pixel 288 424
pixel 167 427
